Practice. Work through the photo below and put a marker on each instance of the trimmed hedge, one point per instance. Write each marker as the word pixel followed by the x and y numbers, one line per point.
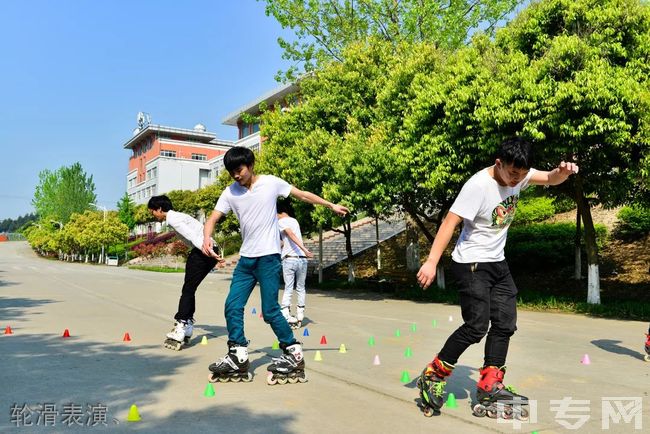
pixel 534 210
pixel 634 222
pixel 545 245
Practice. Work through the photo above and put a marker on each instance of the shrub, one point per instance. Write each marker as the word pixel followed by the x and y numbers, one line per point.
pixel 545 245
pixel 533 210
pixel 178 248
pixel 634 221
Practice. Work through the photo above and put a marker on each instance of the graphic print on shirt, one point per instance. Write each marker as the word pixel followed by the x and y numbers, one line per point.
pixel 504 212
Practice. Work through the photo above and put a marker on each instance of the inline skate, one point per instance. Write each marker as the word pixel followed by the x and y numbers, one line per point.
pixel 647 347
pixel 290 367
pixel 180 335
pixel 300 316
pixel 232 367
pixel 292 320
pixel 431 384
pixel 495 399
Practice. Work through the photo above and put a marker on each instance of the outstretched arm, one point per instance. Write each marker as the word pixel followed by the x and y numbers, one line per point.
pixel 555 176
pixel 428 270
pixel 314 199
pixel 292 236
pixel 208 228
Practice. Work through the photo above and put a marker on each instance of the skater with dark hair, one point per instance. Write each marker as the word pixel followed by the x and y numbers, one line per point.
pixel 294 263
pixel 198 265
pixel 486 206
pixel 252 198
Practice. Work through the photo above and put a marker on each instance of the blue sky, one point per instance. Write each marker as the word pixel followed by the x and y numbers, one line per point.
pixel 75 73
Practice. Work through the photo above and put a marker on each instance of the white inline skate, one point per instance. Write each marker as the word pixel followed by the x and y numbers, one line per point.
pixel 180 335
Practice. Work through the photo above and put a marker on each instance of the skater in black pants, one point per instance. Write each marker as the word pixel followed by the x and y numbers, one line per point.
pixel 198 265
pixel 488 296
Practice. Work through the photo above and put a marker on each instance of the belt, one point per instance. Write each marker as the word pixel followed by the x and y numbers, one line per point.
pixel 291 256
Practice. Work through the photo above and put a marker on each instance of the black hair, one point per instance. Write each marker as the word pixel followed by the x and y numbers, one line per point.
pixel 238 156
pixel 516 151
pixel 160 202
pixel 284 205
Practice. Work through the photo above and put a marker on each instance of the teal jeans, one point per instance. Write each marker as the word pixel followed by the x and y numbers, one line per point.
pixel 249 271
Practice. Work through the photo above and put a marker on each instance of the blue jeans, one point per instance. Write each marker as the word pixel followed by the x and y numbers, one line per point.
pixel 249 271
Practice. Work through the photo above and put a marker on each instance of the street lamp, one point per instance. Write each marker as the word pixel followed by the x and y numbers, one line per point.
pixel 105 211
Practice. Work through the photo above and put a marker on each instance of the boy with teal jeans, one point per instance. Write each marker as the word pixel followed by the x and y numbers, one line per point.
pixel 252 198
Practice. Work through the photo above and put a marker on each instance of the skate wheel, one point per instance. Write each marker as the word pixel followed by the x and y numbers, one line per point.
pixel 492 414
pixel 302 379
pixel 223 379
pixel 479 410
pixel 646 357
pixel 248 378
pixel 270 380
pixel 282 380
pixel 507 413
pixel 428 411
pixel 235 379
pixel 293 380
pixel 211 378
pixel 523 415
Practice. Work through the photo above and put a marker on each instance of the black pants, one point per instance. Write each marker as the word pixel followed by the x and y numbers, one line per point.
pixel 196 268
pixel 488 300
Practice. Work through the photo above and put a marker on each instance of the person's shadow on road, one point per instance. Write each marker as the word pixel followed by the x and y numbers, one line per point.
pixel 612 346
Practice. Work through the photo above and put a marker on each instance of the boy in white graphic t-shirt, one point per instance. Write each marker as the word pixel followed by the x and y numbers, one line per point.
pixel 252 198
pixel 486 205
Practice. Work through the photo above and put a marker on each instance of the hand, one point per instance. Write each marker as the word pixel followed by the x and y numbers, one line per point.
pixel 566 169
pixel 426 274
pixel 309 254
pixel 340 209
pixel 207 248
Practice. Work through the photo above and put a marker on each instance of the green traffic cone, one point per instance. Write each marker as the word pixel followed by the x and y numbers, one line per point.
pixel 434 323
pixel 371 341
pixel 276 345
pixel 414 327
pixel 408 353
pixel 397 333
pixel 209 391
pixel 451 401
pixel 405 377
pixel 134 415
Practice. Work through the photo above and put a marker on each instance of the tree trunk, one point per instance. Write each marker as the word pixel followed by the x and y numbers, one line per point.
pixel 411 212
pixel 347 230
pixel 593 278
pixel 378 248
pixel 578 252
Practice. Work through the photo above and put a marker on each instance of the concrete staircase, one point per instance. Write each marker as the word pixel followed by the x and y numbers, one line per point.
pixel 364 237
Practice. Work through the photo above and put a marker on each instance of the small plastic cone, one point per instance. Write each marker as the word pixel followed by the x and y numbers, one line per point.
pixel 134 415
pixel 209 391
pixel 8 331
pixel 405 377
pixel 414 327
pixel 398 333
pixel 451 318
pixel 261 316
pixel 376 361
pixel 66 333
pixel 253 311
pixel 306 332
pixel 371 341
pixel 434 323
pixel 276 345
pixel 342 349
pixel 585 360
pixel 318 357
pixel 323 340
pixel 204 340
pixel 451 401
pixel 127 337
pixel 408 353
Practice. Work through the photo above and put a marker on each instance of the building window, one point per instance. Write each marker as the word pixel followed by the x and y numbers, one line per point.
pixel 256 128
pixel 154 172
pixel 149 174
pixel 200 157
pixel 153 190
pixel 168 154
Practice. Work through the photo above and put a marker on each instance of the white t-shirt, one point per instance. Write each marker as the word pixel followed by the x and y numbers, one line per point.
pixel 188 229
pixel 257 214
pixel 290 248
pixel 487 209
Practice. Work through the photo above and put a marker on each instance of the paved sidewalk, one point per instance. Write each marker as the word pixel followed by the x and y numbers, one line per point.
pixel 345 392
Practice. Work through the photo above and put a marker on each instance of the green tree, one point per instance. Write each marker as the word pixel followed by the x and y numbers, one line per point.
pixel 63 192
pixel 323 28
pixel 126 211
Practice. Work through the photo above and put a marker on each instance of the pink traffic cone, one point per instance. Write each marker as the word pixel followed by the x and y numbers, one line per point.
pixel 585 360
pixel 376 361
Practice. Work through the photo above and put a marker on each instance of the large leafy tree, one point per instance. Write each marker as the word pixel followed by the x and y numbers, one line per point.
pixel 63 192
pixel 126 211
pixel 323 28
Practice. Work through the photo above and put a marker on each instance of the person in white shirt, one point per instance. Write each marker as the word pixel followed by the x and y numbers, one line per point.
pixel 488 296
pixel 198 265
pixel 294 263
pixel 252 198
